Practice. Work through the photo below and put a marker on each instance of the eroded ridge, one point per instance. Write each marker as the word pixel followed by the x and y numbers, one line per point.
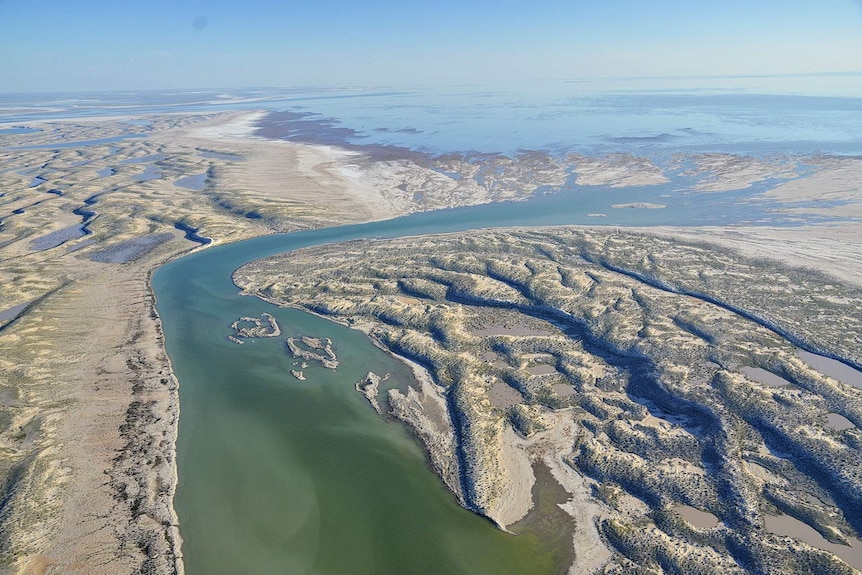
pixel 631 366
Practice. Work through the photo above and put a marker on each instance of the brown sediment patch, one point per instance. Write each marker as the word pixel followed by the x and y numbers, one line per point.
pixel 547 521
pixel 311 128
pixel 765 377
pixel 698 518
pixel 792 527
pixel 833 368
pixel 838 422
pixel 502 395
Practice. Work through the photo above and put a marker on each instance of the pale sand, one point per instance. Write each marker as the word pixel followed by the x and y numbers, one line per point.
pixel 99 342
pixel 112 311
pixel 322 176
pixel 616 171
pixel 519 499
pixel 835 249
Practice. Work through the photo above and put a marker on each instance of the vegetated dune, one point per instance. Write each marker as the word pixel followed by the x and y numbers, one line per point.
pixel 88 404
pixel 623 362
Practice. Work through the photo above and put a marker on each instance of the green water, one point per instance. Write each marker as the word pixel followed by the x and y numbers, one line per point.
pixel 284 476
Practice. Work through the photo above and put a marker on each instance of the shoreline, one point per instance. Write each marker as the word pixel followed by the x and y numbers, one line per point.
pixel 281 272
pixel 118 404
pixel 176 536
pixel 330 176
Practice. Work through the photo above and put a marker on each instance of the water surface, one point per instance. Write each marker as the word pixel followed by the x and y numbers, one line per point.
pixel 282 476
pixel 833 368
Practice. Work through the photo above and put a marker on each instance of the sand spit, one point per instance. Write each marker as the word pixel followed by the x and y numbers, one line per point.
pixel 370 388
pixel 99 426
pixel 639 205
pixel 724 172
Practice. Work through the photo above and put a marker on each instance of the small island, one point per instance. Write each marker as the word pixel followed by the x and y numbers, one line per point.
pixel 313 349
pixel 253 327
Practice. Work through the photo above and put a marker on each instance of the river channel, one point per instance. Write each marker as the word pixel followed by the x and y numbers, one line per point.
pixel 284 476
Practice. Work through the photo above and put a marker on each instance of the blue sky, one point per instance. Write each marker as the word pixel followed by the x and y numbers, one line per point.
pixel 73 45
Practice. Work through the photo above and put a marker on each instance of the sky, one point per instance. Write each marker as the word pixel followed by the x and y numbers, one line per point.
pixel 96 45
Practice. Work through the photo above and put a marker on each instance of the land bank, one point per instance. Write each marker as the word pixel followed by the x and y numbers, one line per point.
pixel 89 389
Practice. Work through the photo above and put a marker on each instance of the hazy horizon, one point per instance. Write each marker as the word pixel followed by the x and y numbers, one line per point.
pixel 92 45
